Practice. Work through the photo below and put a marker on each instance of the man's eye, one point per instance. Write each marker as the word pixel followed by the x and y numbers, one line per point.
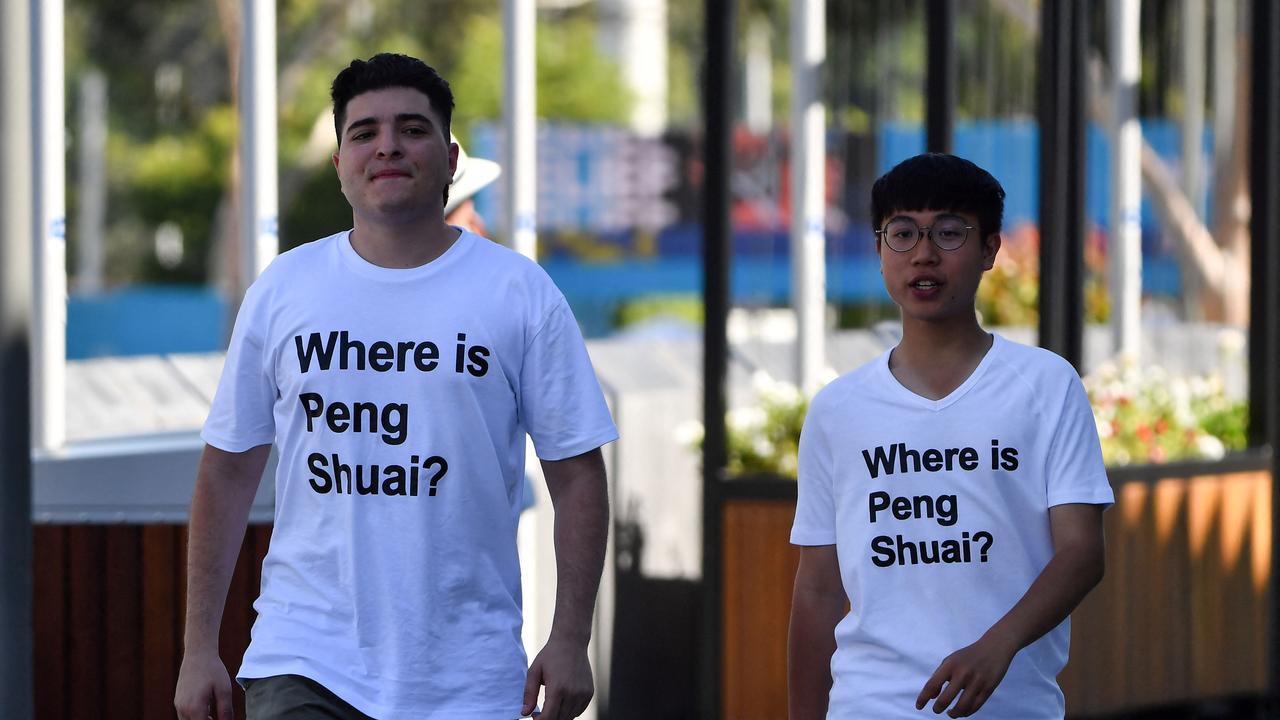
pixel 362 136
pixel 950 234
pixel 415 131
pixel 904 234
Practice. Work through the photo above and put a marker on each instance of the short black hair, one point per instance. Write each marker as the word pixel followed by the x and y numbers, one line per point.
pixel 388 70
pixel 937 181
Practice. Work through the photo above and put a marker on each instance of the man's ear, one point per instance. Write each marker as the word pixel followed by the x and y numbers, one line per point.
pixel 453 158
pixel 990 247
pixel 335 161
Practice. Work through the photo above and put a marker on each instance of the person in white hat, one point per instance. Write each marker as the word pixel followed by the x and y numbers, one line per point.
pixel 472 176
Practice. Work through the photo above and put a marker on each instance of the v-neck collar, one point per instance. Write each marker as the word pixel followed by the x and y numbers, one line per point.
pixel 914 398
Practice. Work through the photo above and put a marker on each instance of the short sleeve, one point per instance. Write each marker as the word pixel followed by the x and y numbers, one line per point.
pixel 815 521
pixel 1074 470
pixel 242 414
pixel 561 404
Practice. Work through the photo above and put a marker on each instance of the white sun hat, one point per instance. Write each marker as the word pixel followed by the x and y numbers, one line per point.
pixel 472 175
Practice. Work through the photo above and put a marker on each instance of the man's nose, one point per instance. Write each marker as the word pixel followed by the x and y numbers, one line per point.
pixel 925 252
pixel 388 145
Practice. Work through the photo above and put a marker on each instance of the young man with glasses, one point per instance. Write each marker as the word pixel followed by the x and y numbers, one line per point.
pixel 951 491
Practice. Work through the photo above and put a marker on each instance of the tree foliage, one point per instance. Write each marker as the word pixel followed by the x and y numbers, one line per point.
pixel 172 120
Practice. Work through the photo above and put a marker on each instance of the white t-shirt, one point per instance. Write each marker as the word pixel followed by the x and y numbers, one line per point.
pixel 399 400
pixel 939 513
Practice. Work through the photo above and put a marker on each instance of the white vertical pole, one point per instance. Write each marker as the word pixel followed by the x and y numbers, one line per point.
pixel 1126 233
pixel 520 215
pixel 1193 70
pixel 91 210
pixel 634 34
pixel 808 189
pixel 758 65
pixel 519 115
pixel 259 221
pixel 49 327
pixel 1224 76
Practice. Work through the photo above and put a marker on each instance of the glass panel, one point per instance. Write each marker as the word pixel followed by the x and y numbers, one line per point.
pixel 1183 394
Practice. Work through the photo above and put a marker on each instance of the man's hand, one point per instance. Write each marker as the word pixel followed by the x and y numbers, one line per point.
pixel 1077 565
pixel 972 673
pixel 581 502
pixel 563 668
pixel 204 689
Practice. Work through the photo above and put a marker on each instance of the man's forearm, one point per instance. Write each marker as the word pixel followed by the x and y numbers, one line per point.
pixel 1059 588
pixel 225 486
pixel 581 501
pixel 811 642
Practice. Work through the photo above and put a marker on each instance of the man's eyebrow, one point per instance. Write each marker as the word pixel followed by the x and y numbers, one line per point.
pixel 400 118
pixel 360 123
pixel 419 117
pixel 939 214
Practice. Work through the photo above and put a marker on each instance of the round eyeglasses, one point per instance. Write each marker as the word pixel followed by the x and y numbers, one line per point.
pixel 947 233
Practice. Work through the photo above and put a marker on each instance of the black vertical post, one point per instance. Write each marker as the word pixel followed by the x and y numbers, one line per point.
pixel 1264 294
pixel 16 238
pixel 1063 54
pixel 717 146
pixel 940 77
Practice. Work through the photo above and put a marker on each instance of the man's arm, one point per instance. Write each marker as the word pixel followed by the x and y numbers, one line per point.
pixel 225 485
pixel 817 604
pixel 1077 566
pixel 580 498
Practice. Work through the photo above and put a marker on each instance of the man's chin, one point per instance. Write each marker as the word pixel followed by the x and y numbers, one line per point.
pixel 393 208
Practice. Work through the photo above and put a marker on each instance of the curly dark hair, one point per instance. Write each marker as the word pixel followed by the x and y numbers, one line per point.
pixel 386 70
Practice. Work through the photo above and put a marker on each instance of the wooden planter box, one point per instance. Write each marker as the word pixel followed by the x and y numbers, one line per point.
pixel 110 602
pixel 1181 615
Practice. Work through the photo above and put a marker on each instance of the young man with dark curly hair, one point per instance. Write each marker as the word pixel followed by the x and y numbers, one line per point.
pixel 398 367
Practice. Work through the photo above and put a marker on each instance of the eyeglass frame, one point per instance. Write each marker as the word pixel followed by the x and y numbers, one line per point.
pixel 883 233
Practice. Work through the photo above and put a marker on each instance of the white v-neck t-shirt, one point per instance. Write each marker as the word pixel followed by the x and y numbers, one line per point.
pixel 399 401
pixel 939 513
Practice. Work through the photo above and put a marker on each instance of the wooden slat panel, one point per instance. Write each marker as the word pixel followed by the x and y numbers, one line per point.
pixel 1238 648
pixel 122 605
pixel 50 620
pixel 1180 616
pixel 162 625
pixel 109 613
pixel 759 570
pixel 84 679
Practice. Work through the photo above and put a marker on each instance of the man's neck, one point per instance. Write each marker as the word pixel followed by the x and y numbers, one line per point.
pixel 407 244
pixel 934 359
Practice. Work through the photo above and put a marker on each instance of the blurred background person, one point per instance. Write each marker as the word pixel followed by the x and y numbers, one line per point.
pixel 473 175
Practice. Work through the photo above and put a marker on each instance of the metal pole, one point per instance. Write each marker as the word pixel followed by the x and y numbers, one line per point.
pixel 49 271
pixel 519 115
pixel 1125 251
pixel 1062 68
pixel 940 84
pixel 1264 331
pixel 259 219
pixel 17 224
pixel 1193 72
pixel 808 189
pixel 757 70
pixel 91 210
pixel 719 22
pixel 1224 75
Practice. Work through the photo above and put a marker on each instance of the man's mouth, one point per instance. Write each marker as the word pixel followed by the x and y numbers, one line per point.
pixel 925 284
